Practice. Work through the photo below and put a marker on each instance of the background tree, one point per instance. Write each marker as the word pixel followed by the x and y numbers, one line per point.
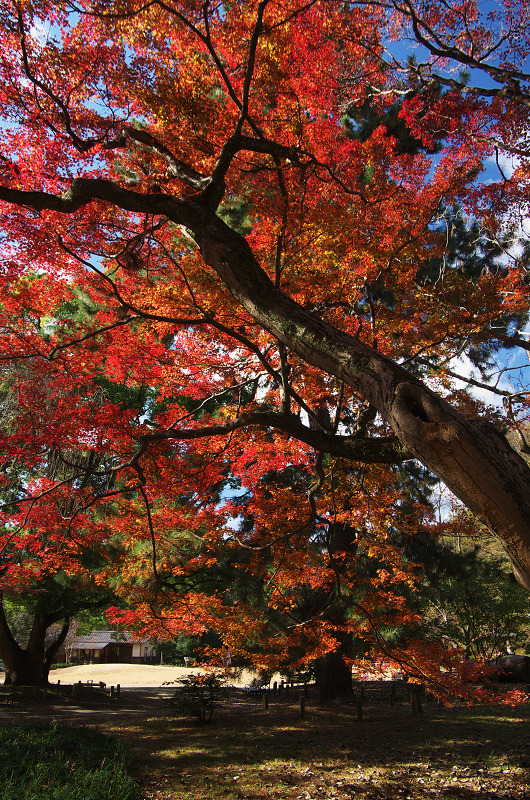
pixel 35 624
pixel 51 554
pixel 472 601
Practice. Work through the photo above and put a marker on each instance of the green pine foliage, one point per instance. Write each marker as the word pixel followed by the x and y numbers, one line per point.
pixel 360 121
pixel 468 597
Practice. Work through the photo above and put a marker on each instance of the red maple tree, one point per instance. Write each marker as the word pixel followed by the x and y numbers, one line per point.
pixel 239 263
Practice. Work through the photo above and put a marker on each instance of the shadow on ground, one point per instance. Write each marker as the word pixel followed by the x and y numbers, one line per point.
pixel 247 752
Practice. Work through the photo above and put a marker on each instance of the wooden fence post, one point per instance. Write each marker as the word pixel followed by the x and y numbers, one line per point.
pixel 359 706
pixel 302 706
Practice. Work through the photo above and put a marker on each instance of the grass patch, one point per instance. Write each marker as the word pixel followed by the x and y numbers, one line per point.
pixel 48 762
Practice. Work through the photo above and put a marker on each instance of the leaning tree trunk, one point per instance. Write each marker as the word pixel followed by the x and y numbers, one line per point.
pixel 471 458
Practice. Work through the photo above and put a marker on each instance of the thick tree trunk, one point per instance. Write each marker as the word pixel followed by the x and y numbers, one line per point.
pixel 333 675
pixel 471 458
pixel 24 669
pixel 28 666
pixel 19 668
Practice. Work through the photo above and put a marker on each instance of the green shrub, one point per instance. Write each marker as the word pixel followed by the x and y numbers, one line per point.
pixel 198 695
pixel 47 762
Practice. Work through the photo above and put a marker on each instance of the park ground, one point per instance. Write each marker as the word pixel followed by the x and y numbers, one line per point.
pixel 249 753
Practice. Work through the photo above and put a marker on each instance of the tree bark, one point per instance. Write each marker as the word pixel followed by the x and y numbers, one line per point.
pixel 28 666
pixel 333 674
pixel 472 458
pixel 53 648
pixel 16 663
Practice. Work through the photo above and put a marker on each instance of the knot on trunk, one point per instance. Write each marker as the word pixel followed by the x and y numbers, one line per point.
pixel 415 406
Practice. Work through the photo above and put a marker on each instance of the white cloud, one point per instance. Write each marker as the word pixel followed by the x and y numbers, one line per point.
pixel 40 31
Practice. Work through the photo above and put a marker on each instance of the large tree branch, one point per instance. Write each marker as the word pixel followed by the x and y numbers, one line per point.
pixel 472 458
pixel 84 191
pixel 381 450
pixel 176 167
pixel 516 341
pixel 53 648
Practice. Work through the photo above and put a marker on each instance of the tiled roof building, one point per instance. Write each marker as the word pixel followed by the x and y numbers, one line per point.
pixel 110 647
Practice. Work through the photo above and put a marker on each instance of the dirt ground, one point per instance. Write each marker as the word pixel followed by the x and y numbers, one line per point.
pixel 127 675
pixel 138 675
pixel 273 754
pixel 144 688
pixel 131 675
